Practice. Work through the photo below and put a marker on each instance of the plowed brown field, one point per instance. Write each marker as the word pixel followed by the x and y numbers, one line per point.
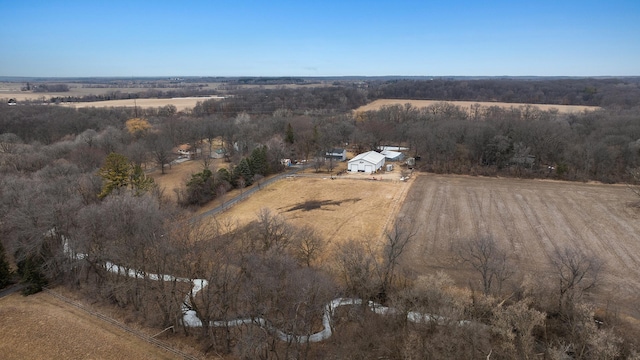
pixel 530 218
pixel 378 104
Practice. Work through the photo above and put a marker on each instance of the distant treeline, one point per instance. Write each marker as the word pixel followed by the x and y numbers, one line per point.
pixel 158 85
pixel 148 94
pixel 295 101
pixel 624 92
pixel 347 95
pixel 42 88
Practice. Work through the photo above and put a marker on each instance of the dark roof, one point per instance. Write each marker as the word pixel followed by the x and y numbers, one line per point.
pixel 336 151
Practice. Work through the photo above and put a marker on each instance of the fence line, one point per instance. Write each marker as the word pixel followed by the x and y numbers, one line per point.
pixel 122 326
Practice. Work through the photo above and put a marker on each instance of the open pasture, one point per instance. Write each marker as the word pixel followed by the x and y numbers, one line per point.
pixel 529 219
pixel 339 210
pixel 378 104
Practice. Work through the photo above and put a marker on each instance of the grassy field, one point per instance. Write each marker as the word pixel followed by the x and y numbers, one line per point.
pixel 353 208
pixel 42 327
pixel 378 104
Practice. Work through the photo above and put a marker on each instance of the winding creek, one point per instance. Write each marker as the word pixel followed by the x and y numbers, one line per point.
pixel 190 318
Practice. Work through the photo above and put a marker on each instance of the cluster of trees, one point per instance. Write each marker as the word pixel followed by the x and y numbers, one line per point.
pixel 147 94
pixel 519 141
pixel 44 88
pixel 206 186
pixel 258 101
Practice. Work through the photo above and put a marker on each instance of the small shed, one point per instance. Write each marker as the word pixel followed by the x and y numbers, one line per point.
pixel 368 162
pixel 391 155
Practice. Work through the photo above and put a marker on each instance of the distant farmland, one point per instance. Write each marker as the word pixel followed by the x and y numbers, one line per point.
pixel 378 104
pixel 180 103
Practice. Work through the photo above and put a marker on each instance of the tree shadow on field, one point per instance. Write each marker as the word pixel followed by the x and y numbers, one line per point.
pixel 318 204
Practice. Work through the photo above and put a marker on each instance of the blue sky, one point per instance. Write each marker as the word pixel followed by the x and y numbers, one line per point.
pixel 319 38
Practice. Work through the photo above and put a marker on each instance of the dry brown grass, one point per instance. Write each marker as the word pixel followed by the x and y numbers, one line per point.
pixel 181 104
pixel 378 104
pixel 177 176
pixel 351 208
pixel 43 327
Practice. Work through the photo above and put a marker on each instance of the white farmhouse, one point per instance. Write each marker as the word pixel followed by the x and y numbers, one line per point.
pixel 368 162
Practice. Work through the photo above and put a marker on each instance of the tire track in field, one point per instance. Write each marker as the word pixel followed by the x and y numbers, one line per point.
pixel 508 221
pixel 621 275
pixel 448 219
pixel 432 229
pixel 501 229
pixel 629 257
pixel 456 221
pixel 558 222
pixel 420 197
pixel 535 225
pixel 587 236
pixel 475 214
pixel 601 217
pixel 555 223
pixel 527 235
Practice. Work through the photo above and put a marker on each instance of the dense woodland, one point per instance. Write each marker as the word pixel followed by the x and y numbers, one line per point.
pixel 78 177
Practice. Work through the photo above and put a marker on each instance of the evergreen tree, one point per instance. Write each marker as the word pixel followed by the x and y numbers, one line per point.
pixel 200 188
pixel 288 136
pixel 31 275
pixel 139 181
pixel 259 163
pixel 115 173
pixel 118 172
pixel 5 272
pixel 242 170
pixel 224 175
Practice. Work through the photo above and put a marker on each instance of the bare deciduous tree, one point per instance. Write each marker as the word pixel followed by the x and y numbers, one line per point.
pixel 357 267
pixel 273 231
pixel 160 148
pixel 307 245
pixel 575 272
pixel 515 324
pixel 484 255
pixel 397 240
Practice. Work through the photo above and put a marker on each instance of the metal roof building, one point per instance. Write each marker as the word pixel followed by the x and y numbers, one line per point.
pixel 368 162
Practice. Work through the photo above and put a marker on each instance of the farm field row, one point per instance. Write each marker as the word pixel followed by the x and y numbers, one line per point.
pixel 530 219
pixel 378 104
